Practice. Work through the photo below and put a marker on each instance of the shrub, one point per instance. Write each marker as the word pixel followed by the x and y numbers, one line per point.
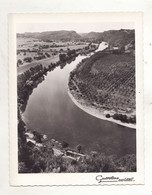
pixel 107 115
pixel 65 144
pixel 28 59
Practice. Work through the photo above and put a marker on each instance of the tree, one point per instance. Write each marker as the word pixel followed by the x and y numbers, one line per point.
pixel 79 147
pixel 65 144
pixel 71 52
pixel 37 136
pixel 107 115
pixel 28 59
pixel 19 62
pixel 47 54
pixel 62 57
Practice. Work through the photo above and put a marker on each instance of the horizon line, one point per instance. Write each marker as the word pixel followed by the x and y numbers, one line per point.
pixel 75 31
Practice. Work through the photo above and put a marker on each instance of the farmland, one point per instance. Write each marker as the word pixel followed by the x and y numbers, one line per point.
pixel 31 52
pixel 107 81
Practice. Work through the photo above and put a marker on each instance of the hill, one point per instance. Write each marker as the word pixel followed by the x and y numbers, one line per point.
pixel 113 37
pixel 91 35
pixel 52 35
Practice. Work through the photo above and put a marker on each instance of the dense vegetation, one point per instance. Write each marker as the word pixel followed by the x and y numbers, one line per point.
pixel 29 80
pixel 107 81
pixel 65 57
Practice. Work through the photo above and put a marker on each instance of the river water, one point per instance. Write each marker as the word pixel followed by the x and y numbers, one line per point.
pixel 51 111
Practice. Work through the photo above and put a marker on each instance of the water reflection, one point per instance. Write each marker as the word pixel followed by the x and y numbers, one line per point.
pixel 62 65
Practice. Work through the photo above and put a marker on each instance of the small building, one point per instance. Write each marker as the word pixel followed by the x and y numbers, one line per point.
pixel 115 48
pixel 29 135
pixel 30 140
pixel 74 155
pixel 39 144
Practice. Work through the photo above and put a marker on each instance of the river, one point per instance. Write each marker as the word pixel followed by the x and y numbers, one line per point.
pixel 51 111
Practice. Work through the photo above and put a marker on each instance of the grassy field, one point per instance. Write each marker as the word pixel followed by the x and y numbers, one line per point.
pixel 44 62
pixel 29 43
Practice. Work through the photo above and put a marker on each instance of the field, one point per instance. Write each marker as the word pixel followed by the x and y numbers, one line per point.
pixel 31 52
pixel 106 81
pixel 44 62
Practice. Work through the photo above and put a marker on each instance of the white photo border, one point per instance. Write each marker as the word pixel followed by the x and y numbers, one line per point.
pixel 17 179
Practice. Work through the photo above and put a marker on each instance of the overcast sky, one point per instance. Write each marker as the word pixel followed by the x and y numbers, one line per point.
pixel 78 27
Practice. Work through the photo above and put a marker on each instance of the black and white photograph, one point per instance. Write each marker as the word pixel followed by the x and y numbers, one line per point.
pixel 76 97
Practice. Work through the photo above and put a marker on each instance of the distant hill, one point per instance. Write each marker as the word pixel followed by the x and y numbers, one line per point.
pixel 113 37
pixel 91 35
pixel 53 35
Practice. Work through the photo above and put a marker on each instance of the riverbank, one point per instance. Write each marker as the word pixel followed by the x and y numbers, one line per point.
pixel 94 110
pixel 103 85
